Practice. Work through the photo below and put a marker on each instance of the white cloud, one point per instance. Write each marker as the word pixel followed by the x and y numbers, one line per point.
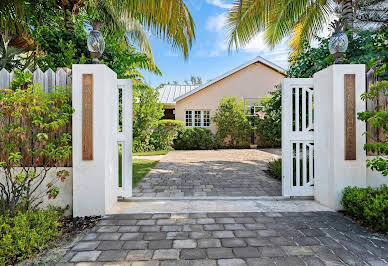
pixel 220 3
pixel 256 46
pixel 216 23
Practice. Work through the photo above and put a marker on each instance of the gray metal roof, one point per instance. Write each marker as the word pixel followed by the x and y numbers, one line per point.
pixel 168 92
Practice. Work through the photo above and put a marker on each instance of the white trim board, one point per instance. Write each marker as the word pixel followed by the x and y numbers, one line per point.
pixel 252 61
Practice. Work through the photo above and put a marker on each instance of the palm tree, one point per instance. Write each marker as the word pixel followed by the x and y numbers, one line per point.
pixel 302 19
pixel 167 19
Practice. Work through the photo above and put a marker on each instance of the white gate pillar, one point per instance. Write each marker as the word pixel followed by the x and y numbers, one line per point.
pixel 95 149
pixel 335 132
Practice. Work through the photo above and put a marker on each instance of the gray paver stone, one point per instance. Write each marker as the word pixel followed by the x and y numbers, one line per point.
pixel 166 254
pixel 220 253
pixel 271 251
pixel 209 243
pixel 193 254
pixel 231 262
pixel 177 235
pixel 154 236
pixel 298 250
pixel 188 243
pixel 86 245
pixel 223 234
pixel 109 236
pixel 160 244
pixel 112 255
pixel 139 255
pixel 246 252
pixel 260 261
pixel 86 256
pixel 110 245
pixel 135 245
pixel 131 236
pixel 233 242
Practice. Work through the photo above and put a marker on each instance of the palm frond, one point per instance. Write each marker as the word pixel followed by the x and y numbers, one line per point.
pixel 168 19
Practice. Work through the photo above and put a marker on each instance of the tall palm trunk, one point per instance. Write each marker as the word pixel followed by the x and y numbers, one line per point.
pixel 347 13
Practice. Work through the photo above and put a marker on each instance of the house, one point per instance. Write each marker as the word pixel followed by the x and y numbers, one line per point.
pixel 196 105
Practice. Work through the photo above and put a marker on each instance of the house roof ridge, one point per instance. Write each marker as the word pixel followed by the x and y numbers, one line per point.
pixel 234 70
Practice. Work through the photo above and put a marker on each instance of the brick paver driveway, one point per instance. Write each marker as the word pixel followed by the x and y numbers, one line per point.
pixel 298 238
pixel 211 173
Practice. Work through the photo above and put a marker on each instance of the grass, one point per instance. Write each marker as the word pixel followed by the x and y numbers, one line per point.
pixel 150 153
pixel 140 167
pixel 275 168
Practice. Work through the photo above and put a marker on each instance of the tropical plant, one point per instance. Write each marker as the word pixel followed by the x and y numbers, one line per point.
pixel 302 20
pixel 233 128
pixel 146 113
pixel 163 136
pixel 167 19
pixel 33 139
pixel 378 120
pixel 12 57
pixel 369 47
pixel 268 126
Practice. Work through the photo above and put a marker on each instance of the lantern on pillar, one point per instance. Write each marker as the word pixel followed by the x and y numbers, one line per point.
pixel 95 41
pixel 338 43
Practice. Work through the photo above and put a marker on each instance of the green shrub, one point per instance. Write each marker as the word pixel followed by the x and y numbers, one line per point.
pixel 233 127
pixel 269 128
pixel 33 133
pixel 26 234
pixel 195 138
pixel 163 136
pixel 275 168
pixel 367 205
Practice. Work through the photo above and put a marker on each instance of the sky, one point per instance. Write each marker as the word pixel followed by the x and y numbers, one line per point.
pixel 209 56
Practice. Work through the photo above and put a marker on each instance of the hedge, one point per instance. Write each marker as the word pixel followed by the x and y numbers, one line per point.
pixel 195 138
pixel 369 206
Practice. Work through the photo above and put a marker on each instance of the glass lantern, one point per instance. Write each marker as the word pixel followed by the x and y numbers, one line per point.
pixel 338 43
pixel 95 42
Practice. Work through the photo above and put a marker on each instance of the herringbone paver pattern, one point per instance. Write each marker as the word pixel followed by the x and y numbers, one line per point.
pixel 299 238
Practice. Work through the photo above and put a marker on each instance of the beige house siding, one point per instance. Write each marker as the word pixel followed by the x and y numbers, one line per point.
pixel 255 80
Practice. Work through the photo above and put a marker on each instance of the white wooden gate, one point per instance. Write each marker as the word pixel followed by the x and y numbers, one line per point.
pixel 297 137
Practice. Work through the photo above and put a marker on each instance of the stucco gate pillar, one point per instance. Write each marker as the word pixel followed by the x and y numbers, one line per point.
pixel 95 149
pixel 338 135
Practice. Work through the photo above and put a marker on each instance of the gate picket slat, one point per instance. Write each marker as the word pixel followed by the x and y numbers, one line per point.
pixel 49 82
pixel 297 113
pixel 60 78
pixel 311 164
pixel 304 109
pixel 311 113
pixel 38 77
pixel 4 79
pixel 304 164
pixel 297 163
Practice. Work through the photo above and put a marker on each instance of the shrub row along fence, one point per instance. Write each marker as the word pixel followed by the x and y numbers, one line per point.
pixel 381 103
pixel 48 81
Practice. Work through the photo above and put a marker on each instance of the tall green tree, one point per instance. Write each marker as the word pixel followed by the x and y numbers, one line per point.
pixel 166 19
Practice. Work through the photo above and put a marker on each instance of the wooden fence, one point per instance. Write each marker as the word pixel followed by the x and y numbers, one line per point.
pixel 380 104
pixel 49 80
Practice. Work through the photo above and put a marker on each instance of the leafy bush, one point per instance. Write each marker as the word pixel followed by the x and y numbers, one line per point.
pixel 275 168
pixel 378 120
pixel 367 47
pixel 33 133
pixel 368 205
pixel 26 233
pixel 195 138
pixel 233 128
pixel 165 133
pixel 269 127
pixel 146 113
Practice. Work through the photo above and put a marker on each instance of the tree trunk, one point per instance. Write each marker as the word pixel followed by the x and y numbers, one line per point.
pixel 347 13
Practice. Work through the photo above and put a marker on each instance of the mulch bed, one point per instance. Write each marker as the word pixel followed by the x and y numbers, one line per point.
pixel 70 225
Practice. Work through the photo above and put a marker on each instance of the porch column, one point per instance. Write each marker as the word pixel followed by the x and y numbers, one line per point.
pixel 338 135
pixel 95 149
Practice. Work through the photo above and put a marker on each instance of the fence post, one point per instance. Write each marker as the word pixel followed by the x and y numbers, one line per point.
pixel 338 135
pixel 95 149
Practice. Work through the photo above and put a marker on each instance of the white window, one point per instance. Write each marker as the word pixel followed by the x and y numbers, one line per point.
pixel 197 118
